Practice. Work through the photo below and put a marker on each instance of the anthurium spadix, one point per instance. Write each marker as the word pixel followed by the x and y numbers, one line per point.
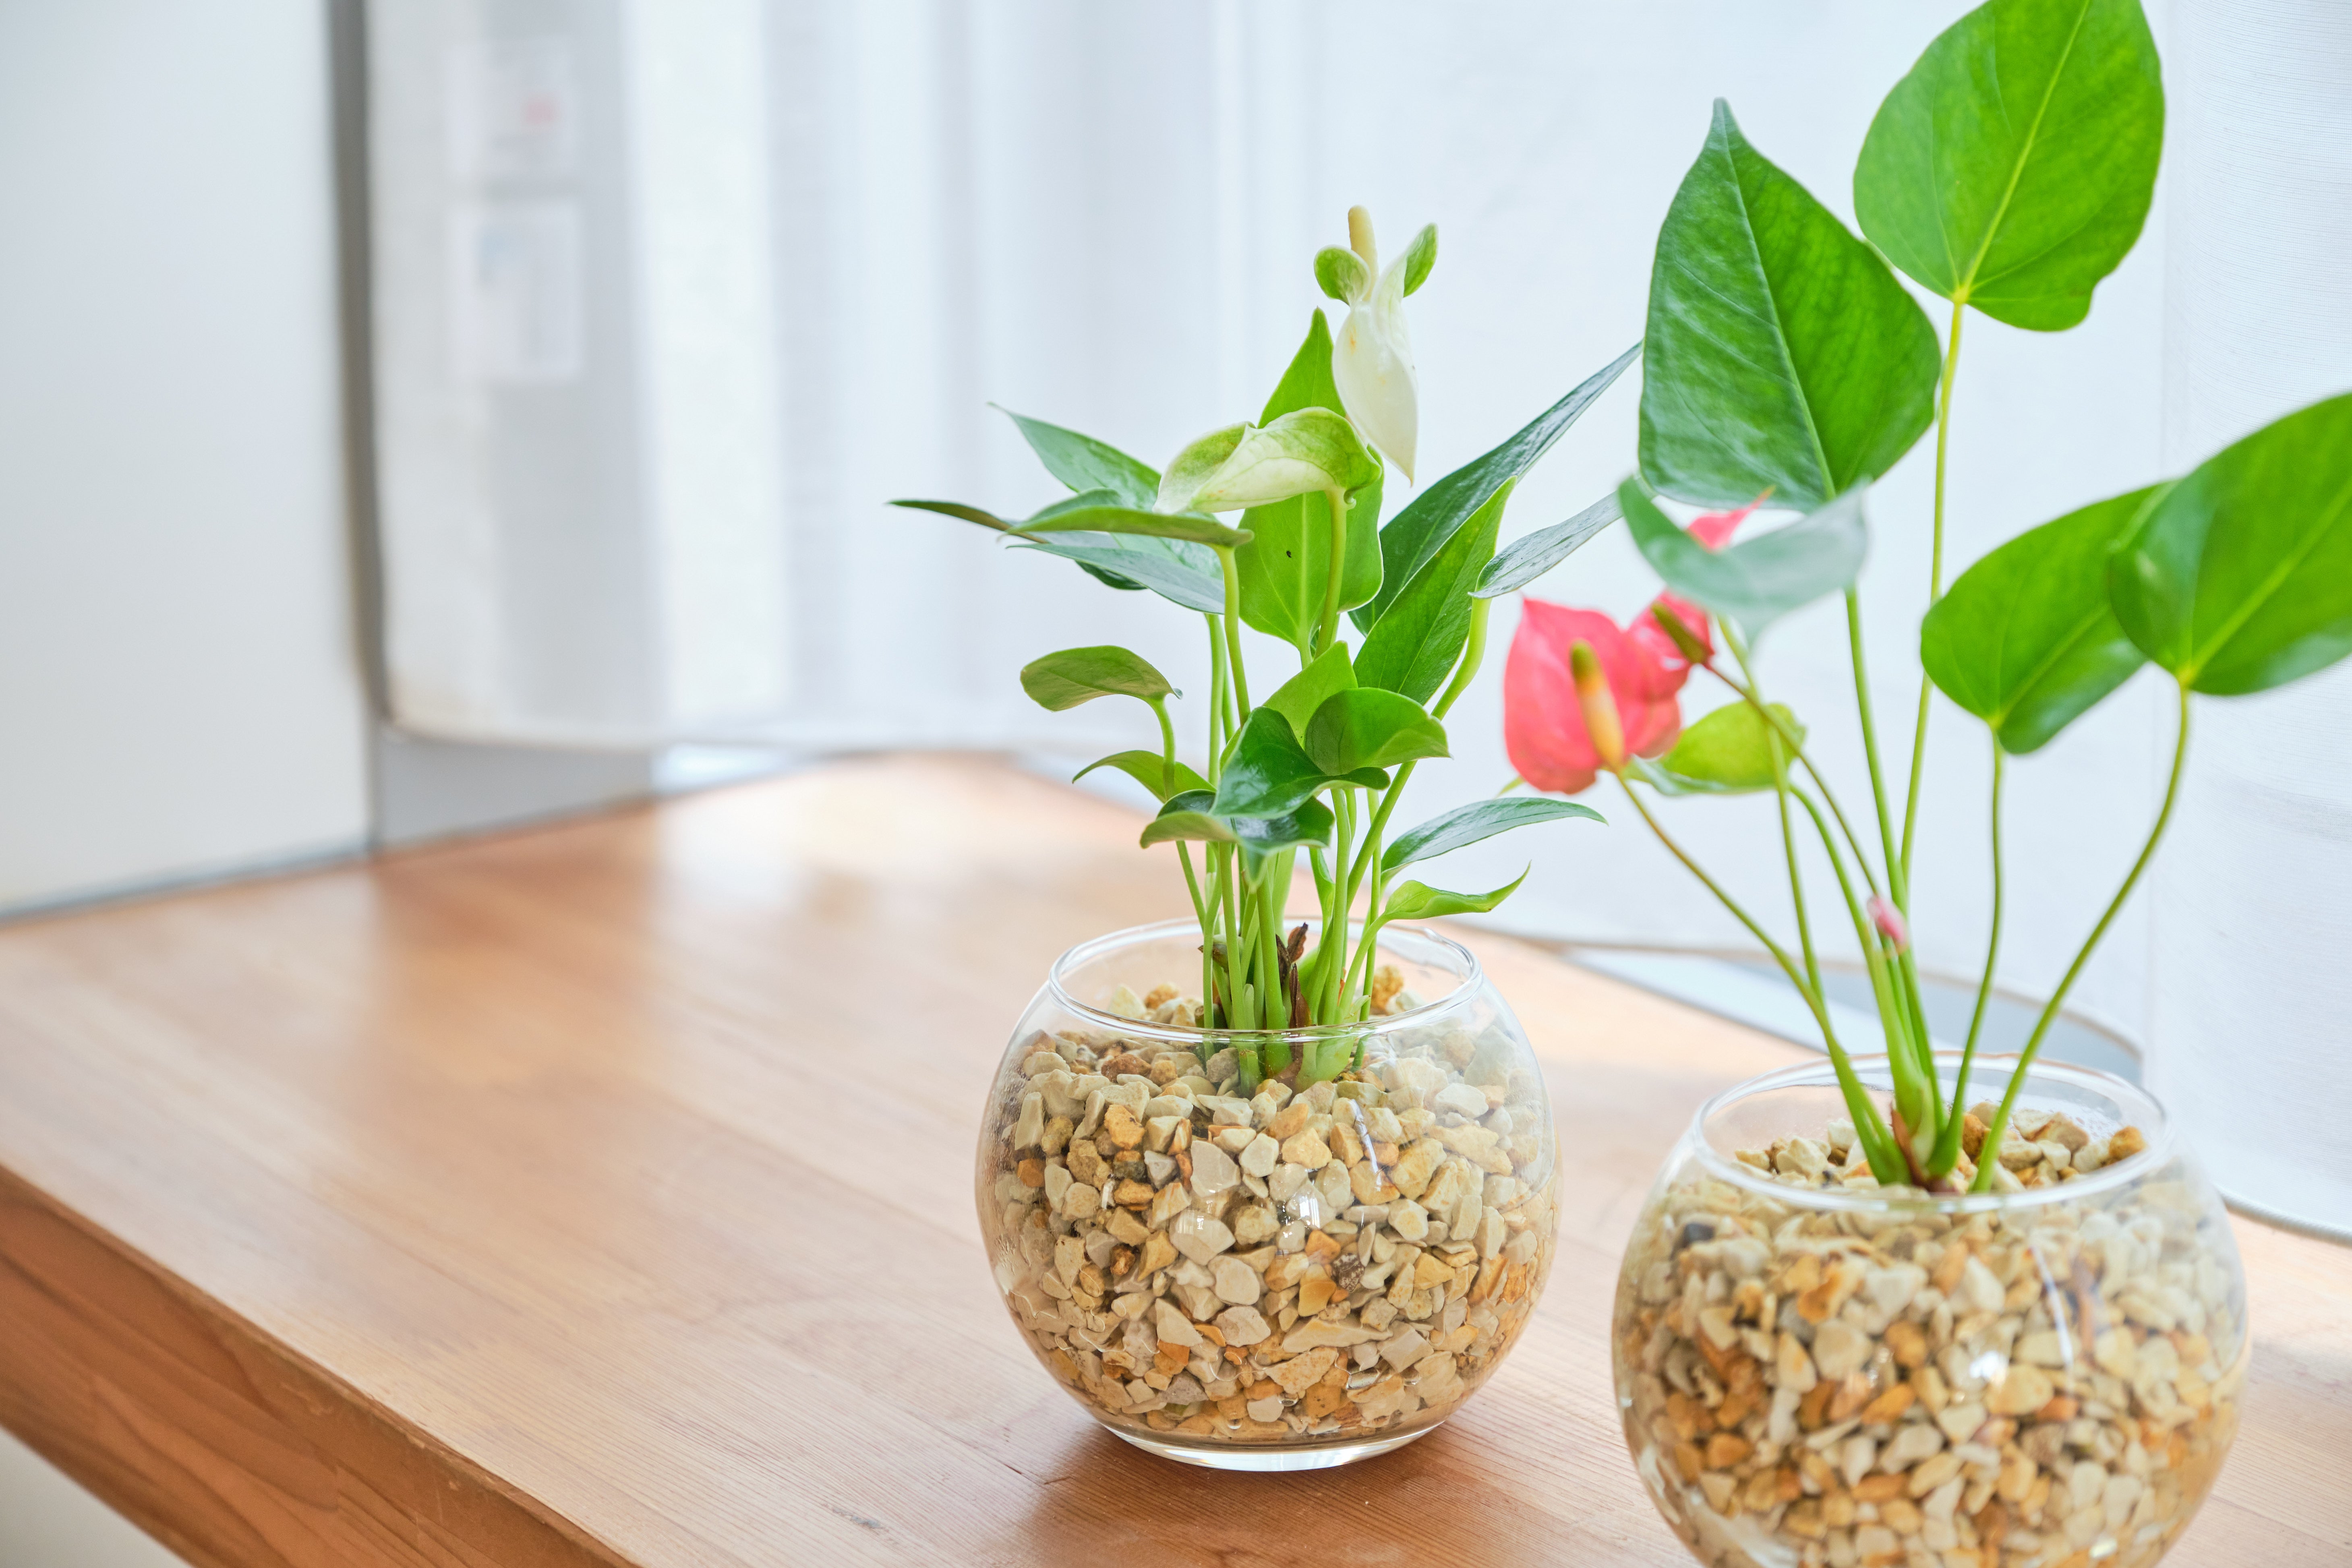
pixel 1372 360
pixel 1242 466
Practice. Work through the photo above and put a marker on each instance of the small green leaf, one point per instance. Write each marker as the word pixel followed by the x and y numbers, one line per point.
pixel 1074 675
pixel 1341 274
pixel 1188 817
pixel 1150 770
pixel 2013 167
pixel 2240 577
pixel 1371 728
pixel 1300 696
pixel 1781 354
pixel 1415 537
pixel 1730 749
pixel 1528 558
pixel 1069 518
pixel 1642 769
pixel 1193 824
pixel 1266 771
pixel 1311 449
pixel 1420 256
pixel 1465 825
pixel 1085 463
pixel 1417 901
pixel 2027 638
pixel 1286 568
pixel 1755 583
pixel 1411 648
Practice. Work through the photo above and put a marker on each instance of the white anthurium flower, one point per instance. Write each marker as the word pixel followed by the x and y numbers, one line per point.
pixel 1372 359
pixel 1240 466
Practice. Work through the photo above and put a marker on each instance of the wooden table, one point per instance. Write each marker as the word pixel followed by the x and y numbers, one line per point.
pixel 603 1195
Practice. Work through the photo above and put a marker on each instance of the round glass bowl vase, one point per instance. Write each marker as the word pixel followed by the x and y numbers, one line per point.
pixel 1272 1280
pixel 1815 1372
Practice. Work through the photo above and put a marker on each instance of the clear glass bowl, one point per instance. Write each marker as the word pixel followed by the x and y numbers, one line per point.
pixel 1813 1371
pixel 1285 1281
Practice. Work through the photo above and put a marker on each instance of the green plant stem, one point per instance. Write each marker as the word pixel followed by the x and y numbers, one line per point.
pixel 1329 626
pixel 1888 854
pixel 1237 672
pixel 1948 1146
pixel 1999 1128
pixel 1788 737
pixel 1886 1163
pixel 1217 731
pixel 1935 582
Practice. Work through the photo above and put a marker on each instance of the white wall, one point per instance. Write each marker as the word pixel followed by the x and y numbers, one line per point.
pixel 179 690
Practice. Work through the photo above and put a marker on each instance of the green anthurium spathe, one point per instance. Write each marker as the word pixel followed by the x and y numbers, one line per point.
pixel 1063 680
pixel 1418 901
pixel 1413 538
pixel 2027 638
pixel 1372 360
pixel 2238 579
pixel 1413 645
pixel 2012 168
pixel 1310 450
pixel 1154 772
pixel 1729 751
pixel 1367 728
pixel 1755 581
pixel 1085 463
pixel 1782 354
pixel 1286 568
pixel 1479 821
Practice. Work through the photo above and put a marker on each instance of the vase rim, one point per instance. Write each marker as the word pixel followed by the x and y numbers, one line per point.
pixel 1873 1070
pixel 1471 979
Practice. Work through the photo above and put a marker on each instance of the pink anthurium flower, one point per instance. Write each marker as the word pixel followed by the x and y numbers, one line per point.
pixel 1890 922
pixel 1546 724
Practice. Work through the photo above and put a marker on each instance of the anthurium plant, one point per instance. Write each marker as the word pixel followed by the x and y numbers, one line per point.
pixel 1786 362
pixel 1276 526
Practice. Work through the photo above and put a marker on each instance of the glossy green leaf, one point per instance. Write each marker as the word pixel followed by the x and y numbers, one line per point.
pixel 1297 698
pixel 2240 577
pixel 1189 817
pixel 1085 463
pixel 1366 727
pixel 1420 256
pixel 1782 354
pixel 1150 770
pixel 1178 570
pixel 1418 901
pixel 2027 639
pixel 1528 558
pixel 1729 750
pixel 1266 771
pixel 1070 517
pixel 2012 168
pixel 1074 675
pixel 1755 581
pixel 1412 647
pixel 1415 536
pixel 1286 568
pixel 1465 825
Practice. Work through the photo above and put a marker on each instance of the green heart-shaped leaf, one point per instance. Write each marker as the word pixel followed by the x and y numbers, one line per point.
pixel 1417 901
pixel 1150 770
pixel 1266 772
pixel 1299 697
pixel 1729 751
pixel 1528 558
pixel 1285 568
pixel 1415 536
pixel 2240 577
pixel 1368 728
pixel 1413 646
pixel 2012 168
pixel 1085 463
pixel 1782 354
pixel 1465 825
pixel 2027 639
pixel 1755 581
pixel 1074 675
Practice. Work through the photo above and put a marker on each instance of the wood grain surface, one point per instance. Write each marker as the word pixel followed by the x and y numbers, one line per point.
pixel 603 1195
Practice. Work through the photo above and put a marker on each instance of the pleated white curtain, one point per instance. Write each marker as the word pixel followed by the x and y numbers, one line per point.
pixel 811 242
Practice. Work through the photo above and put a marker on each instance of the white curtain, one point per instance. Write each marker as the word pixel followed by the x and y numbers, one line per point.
pixel 816 241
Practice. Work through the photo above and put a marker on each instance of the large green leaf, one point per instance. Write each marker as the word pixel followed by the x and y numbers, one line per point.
pixel 1298 697
pixel 1418 901
pixel 1074 675
pixel 1085 463
pixel 1755 581
pixel 2012 168
pixel 1366 727
pixel 1465 825
pixel 1413 646
pixel 2240 577
pixel 1415 536
pixel 1729 751
pixel 1188 817
pixel 2027 639
pixel 1071 516
pixel 1781 354
pixel 1150 770
pixel 1178 570
pixel 1286 565
pixel 1528 558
